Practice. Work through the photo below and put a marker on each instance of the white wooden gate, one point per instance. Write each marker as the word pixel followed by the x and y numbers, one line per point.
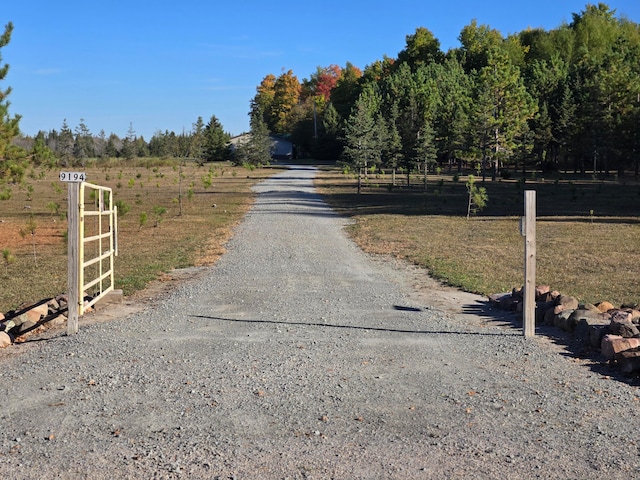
pixel 93 244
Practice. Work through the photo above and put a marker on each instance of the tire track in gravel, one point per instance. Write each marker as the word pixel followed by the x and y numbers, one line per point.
pixel 298 356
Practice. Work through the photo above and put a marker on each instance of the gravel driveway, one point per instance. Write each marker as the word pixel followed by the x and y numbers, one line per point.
pixel 299 357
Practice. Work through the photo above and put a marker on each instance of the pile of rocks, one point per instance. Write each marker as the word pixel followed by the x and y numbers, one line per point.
pixel 614 331
pixel 32 318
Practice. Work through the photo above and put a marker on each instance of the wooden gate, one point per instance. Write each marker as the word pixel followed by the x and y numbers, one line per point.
pixel 93 244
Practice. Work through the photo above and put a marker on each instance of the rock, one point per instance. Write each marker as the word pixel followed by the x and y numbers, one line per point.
pixel 629 360
pixel 54 306
pixel 543 293
pixel 549 316
pixel 589 306
pixel 5 339
pixel 614 344
pixel 518 293
pixel 565 302
pixel 620 316
pixel 508 302
pixel 35 314
pixel 19 320
pixel 604 306
pixel 59 320
pixel 23 327
pixel 561 320
pixel 635 315
pixel 541 310
pixel 624 329
pixel 590 331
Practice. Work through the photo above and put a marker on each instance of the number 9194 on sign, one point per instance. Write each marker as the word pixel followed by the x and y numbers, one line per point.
pixel 73 176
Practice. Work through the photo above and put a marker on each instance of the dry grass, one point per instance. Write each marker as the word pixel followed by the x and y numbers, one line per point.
pixel 194 238
pixel 593 257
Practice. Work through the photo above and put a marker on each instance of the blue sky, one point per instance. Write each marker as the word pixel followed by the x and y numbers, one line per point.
pixel 159 65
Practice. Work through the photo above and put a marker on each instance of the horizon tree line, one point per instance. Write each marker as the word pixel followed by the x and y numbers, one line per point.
pixel 563 99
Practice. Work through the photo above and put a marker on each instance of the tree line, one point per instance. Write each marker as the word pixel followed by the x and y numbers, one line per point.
pixel 67 147
pixel 560 99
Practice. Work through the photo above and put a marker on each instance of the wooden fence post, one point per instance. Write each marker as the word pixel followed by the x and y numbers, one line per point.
pixel 529 310
pixel 73 235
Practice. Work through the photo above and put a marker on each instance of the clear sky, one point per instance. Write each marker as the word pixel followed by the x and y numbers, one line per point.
pixel 160 65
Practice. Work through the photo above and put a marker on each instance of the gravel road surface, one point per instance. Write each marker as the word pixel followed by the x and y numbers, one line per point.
pixel 297 356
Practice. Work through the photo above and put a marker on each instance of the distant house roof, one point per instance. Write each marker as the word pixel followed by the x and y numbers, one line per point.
pixel 281 146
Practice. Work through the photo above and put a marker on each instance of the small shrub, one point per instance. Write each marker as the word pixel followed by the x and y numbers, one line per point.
pixel 29 192
pixel 8 257
pixel 54 207
pixel 142 220
pixel 159 211
pixel 57 188
pixel 123 207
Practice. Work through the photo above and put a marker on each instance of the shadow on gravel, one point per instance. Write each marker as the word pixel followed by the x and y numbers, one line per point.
pixel 573 348
pixel 355 327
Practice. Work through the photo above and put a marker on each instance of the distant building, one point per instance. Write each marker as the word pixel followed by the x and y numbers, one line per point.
pixel 281 146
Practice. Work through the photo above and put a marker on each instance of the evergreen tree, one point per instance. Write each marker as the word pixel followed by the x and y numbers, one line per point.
pixel 256 150
pixel 391 150
pixel 216 141
pixel 12 158
pixel 41 154
pixel 128 144
pixel 503 108
pixel 362 134
pixel 64 147
pixel 451 117
pixel 83 146
pixel 198 141
pixel 328 146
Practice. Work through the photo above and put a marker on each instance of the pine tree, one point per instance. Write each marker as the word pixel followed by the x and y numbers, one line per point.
pixel 256 150
pixel 12 158
pixel 64 146
pixel 503 108
pixel 362 134
pixel 216 141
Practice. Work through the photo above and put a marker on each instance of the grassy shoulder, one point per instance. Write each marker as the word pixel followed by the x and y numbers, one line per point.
pixel 588 231
pixel 154 236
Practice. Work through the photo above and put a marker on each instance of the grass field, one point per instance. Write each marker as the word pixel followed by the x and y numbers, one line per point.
pixel 588 231
pixel 215 197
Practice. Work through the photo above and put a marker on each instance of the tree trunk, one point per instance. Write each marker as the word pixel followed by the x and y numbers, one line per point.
pixel 425 175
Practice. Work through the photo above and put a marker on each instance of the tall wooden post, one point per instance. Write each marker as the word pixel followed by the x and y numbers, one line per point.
pixel 529 310
pixel 73 235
